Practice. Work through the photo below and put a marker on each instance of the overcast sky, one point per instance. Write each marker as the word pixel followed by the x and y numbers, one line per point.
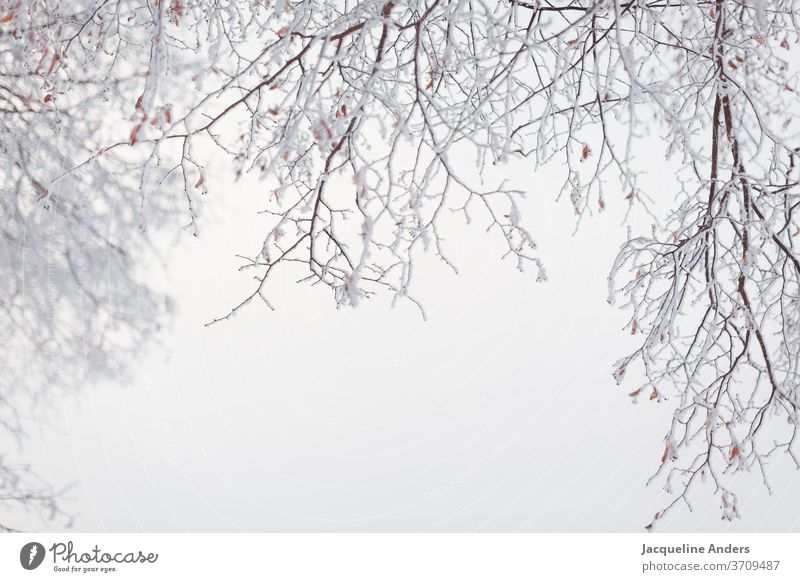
pixel 499 413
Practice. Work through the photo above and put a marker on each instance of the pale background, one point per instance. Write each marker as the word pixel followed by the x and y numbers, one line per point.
pixel 498 414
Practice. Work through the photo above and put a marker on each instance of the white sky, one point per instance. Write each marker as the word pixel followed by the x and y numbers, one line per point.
pixel 499 413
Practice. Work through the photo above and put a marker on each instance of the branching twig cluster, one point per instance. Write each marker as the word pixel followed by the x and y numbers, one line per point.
pixel 369 121
pixel 715 291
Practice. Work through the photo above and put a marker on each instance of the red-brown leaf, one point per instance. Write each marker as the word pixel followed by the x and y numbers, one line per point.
pixel 135 134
